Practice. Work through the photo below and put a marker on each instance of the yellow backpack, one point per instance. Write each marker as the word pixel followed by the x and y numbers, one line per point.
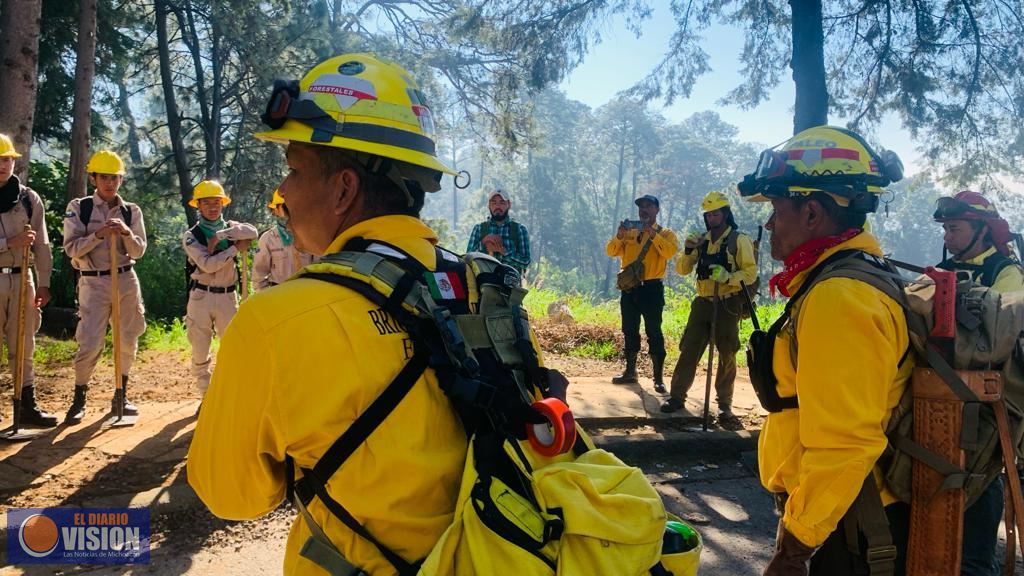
pixel 581 511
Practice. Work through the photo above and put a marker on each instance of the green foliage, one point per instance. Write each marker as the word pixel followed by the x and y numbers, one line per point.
pixel 53 351
pixel 599 350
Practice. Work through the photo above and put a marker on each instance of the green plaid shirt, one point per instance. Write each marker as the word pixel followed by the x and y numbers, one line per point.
pixel 517 254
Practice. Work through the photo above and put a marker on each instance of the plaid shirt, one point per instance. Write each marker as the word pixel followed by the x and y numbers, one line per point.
pixel 516 256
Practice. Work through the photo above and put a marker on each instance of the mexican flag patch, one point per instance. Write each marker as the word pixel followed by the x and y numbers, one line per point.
pixel 445 286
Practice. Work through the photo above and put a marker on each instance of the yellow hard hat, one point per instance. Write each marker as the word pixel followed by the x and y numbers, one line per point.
pixel 7 147
pixel 208 189
pixel 713 201
pixel 824 159
pixel 275 200
pixel 360 103
pixel 105 162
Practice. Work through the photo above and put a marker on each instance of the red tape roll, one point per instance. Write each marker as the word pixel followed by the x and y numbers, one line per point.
pixel 559 433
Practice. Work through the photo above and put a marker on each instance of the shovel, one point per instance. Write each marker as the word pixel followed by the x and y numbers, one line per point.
pixel 118 418
pixel 14 433
pixel 711 362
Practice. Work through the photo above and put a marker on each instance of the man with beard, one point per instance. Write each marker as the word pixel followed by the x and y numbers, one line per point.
pixel 723 259
pixel 501 236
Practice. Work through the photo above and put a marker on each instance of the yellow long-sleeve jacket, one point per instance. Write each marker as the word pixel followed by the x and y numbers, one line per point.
pixel 1011 279
pixel 851 338
pixel 297 365
pixel 627 249
pixel 744 265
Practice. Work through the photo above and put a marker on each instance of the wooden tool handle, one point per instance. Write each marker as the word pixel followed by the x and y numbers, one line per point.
pixel 115 311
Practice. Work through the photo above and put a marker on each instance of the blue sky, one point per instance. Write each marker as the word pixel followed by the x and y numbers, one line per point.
pixel 622 59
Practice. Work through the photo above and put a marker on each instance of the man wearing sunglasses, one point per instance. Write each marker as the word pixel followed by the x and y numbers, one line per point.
pixel 977 240
pixel 837 366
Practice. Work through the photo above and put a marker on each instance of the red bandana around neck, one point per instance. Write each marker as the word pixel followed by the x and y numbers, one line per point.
pixel 804 257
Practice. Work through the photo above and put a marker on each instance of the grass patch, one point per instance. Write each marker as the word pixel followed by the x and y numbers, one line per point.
pixel 52 351
pixel 164 336
pixel 597 350
pixel 597 316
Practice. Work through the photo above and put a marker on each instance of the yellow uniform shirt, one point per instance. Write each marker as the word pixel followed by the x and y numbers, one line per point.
pixel 297 365
pixel 744 264
pixel 851 338
pixel 627 249
pixel 1011 279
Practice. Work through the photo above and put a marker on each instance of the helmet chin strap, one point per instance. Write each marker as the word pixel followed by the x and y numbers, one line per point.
pixel 974 240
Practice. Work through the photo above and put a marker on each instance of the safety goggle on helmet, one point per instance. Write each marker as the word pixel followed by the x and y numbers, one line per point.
pixel 824 159
pixel 966 205
pixel 363 104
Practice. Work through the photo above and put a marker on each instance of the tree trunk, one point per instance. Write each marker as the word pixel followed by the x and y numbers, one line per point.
pixel 134 152
pixel 173 119
pixel 19 66
pixel 808 65
pixel 81 111
pixel 608 269
pixel 455 189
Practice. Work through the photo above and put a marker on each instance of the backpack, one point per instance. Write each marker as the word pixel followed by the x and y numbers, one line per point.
pixel 989 335
pixel 573 509
pixel 85 212
pixel 705 261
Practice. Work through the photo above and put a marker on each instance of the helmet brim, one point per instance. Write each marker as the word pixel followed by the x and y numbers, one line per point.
pixel 293 131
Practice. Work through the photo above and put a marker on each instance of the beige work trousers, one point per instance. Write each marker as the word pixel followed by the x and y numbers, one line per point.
pixel 94 313
pixel 10 285
pixel 206 311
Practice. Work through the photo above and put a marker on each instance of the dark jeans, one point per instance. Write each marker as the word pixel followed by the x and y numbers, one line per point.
pixel 835 559
pixel 981 530
pixel 646 301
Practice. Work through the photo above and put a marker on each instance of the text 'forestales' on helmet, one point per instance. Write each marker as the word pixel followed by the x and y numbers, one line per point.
pixel 105 162
pixel 824 159
pixel 360 103
pixel 208 189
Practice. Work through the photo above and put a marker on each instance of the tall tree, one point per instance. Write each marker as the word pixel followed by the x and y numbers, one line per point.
pixel 19 60
pixel 85 68
pixel 171 105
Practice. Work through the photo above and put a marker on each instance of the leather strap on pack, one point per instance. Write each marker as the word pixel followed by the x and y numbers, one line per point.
pixel 1015 512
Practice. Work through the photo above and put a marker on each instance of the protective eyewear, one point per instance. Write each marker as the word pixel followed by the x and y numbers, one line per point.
pixel 947 208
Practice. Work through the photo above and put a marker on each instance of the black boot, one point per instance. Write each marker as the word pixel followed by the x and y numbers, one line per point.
pixel 77 410
pixel 659 367
pixel 129 408
pixel 31 415
pixel 629 374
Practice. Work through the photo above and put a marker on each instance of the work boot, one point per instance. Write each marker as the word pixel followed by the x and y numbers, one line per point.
pixel 659 365
pixel 129 408
pixel 671 405
pixel 77 410
pixel 629 374
pixel 31 415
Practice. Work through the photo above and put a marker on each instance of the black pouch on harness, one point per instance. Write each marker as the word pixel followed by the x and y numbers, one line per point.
pixel 760 349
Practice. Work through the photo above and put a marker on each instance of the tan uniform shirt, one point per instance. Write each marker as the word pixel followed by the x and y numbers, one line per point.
pixel 274 262
pixel 89 252
pixel 13 223
pixel 217 269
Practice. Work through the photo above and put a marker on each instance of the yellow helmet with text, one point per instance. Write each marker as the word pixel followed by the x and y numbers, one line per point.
pixel 208 189
pixel 105 162
pixel 360 103
pixel 714 201
pixel 7 147
pixel 828 159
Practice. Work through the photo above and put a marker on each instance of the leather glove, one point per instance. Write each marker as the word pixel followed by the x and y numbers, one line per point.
pixel 791 556
pixel 719 273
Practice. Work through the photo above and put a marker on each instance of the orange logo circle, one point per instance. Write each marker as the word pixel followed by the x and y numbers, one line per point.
pixel 38 535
